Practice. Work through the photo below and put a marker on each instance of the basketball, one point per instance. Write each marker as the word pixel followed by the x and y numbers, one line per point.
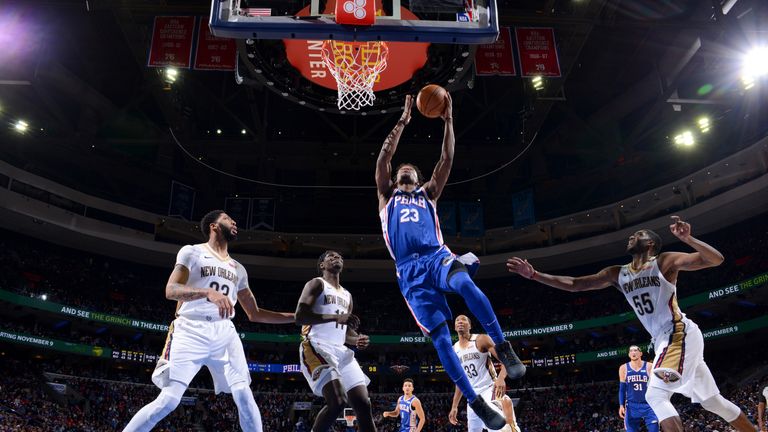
pixel 431 100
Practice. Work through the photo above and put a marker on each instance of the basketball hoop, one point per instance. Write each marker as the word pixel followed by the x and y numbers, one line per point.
pixel 355 66
pixel 350 419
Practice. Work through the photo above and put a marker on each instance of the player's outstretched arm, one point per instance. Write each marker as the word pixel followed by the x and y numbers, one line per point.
pixel 176 289
pixel 762 427
pixel 384 161
pixel 442 170
pixel 420 413
pixel 705 256
pixel 305 315
pixel 453 415
pixel 605 278
pixel 256 314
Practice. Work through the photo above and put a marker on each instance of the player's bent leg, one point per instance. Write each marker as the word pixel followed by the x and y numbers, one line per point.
pixel 509 413
pixel 153 412
pixel 659 401
pixel 361 403
pixel 247 410
pixel 728 411
pixel 334 404
pixel 478 303
pixel 441 339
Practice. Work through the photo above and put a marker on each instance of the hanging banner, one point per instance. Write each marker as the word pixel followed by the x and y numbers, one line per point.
pixel 471 214
pixel 172 41
pixel 214 53
pixel 446 214
pixel 238 209
pixel 182 201
pixel 496 58
pixel 538 52
pixel 262 214
pixel 522 208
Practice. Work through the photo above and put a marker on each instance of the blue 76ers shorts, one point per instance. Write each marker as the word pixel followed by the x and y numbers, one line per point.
pixel 636 413
pixel 423 281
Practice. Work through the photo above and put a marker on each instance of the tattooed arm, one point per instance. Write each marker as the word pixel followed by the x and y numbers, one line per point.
pixel 177 289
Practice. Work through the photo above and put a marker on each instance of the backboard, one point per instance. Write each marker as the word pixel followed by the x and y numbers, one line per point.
pixel 437 21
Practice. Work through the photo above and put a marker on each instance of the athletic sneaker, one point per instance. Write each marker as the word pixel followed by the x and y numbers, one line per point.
pixel 489 416
pixel 515 368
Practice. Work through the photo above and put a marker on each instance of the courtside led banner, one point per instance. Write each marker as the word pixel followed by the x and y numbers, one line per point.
pixel 214 53
pixel 496 58
pixel 538 52
pixel 172 41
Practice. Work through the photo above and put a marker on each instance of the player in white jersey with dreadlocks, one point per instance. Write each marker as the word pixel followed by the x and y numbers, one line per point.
pixel 648 283
pixel 475 351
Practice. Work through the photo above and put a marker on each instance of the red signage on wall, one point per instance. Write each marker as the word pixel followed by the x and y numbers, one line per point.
pixel 214 53
pixel 172 41
pixel 538 53
pixel 496 58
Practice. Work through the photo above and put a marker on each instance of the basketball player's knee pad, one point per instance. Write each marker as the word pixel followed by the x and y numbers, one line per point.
pixel 723 407
pixel 167 401
pixel 659 401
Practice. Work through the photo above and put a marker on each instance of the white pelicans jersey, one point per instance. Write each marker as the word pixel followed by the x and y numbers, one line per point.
pixel 477 365
pixel 653 298
pixel 331 301
pixel 208 270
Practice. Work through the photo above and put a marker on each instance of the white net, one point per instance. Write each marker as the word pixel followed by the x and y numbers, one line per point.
pixel 355 66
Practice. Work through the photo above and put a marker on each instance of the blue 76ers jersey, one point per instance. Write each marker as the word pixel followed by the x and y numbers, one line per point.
pixel 637 383
pixel 407 416
pixel 410 225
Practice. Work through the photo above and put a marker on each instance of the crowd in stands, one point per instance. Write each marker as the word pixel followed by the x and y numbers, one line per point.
pixel 96 404
pixel 102 284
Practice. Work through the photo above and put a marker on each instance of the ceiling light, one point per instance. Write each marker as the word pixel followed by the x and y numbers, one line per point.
pixel 704 124
pixel 685 139
pixel 21 126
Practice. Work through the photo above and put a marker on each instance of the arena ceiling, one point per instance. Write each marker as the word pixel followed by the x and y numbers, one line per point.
pixel 635 74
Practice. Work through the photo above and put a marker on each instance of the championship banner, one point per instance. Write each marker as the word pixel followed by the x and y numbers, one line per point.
pixel 496 58
pixel 446 214
pixel 182 201
pixel 172 41
pixel 238 209
pixel 262 214
pixel 471 214
pixel 522 209
pixel 214 53
pixel 538 52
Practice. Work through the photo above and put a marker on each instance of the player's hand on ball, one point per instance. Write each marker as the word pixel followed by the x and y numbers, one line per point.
pixel 222 302
pixel 448 113
pixel 406 117
pixel 621 411
pixel 680 229
pixel 363 341
pixel 521 267
pixel 453 416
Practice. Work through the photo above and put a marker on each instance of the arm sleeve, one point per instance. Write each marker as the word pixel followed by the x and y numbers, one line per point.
pixel 622 393
pixel 186 256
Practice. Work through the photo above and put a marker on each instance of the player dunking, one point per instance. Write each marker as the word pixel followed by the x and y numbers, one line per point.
pixel 426 268
pixel 409 409
pixel 474 352
pixel 633 383
pixel 648 283
pixel 325 311
pixel 208 283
